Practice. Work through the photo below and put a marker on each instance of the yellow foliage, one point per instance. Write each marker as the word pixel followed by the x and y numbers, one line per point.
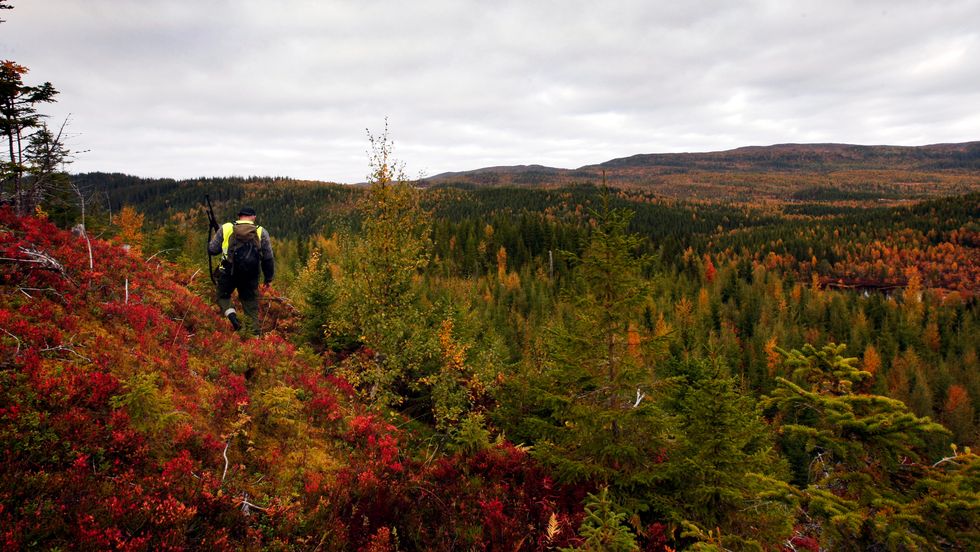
pixel 453 353
pixel 796 293
pixel 330 246
pixel 703 301
pixel 501 264
pixel 662 328
pixel 279 407
pixel 553 528
pixel 682 311
pixel 512 281
pixel 130 224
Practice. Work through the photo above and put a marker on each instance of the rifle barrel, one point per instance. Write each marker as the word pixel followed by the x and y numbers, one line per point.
pixel 212 227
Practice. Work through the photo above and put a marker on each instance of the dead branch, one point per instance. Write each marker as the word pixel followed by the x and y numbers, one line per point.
pixel 41 259
pixel 24 290
pixel 247 506
pixel 88 243
pixel 818 464
pixel 68 348
pixel 944 460
pixel 225 454
pixel 17 352
pixel 639 397
pixel 281 300
pixel 148 259
pixel 38 257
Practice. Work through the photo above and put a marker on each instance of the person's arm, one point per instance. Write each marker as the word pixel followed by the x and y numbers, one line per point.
pixel 214 246
pixel 268 260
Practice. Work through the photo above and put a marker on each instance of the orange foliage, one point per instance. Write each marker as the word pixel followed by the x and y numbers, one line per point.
pixel 955 398
pixel 13 68
pixel 501 263
pixel 930 336
pixel 872 360
pixel 773 358
pixel 709 270
pixel 633 341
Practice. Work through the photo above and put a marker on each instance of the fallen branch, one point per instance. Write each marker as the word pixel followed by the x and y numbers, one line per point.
pixel 68 348
pixel 944 460
pixel 17 352
pixel 42 259
pixel 24 290
pixel 225 454
pixel 148 259
pixel 639 397
pixel 247 506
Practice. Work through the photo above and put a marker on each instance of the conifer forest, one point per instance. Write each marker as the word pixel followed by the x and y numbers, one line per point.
pixel 762 349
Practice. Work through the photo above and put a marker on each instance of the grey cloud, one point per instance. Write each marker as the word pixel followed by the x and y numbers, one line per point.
pixel 187 88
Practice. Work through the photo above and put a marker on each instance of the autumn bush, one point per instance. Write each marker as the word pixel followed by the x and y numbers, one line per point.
pixel 132 418
pixel 658 404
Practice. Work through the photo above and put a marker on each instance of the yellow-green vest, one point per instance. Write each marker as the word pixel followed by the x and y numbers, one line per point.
pixel 227 229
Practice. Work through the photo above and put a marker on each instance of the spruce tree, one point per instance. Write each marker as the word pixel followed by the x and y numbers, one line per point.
pixel 604 529
pixel 724 473
pixel 586 403
pixel 376 299
pixel 20 123
pixel 861 461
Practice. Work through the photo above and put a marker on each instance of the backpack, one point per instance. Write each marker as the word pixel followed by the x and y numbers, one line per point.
pixel 245 254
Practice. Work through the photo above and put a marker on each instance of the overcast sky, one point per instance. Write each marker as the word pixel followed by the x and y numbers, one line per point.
pixel 186 88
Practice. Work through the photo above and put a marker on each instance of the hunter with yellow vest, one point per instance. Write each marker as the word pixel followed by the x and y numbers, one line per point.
pixel 244 248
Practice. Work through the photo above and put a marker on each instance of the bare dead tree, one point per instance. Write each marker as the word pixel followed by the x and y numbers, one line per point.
pixel 84 233
pixel 47 156
pixel 108 204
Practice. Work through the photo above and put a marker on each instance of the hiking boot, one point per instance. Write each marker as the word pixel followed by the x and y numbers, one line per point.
pixel 235 323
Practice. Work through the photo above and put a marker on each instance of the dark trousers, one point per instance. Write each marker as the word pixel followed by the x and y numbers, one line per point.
pixel 248 293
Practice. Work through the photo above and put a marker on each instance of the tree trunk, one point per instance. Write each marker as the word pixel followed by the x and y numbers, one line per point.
pixel 15 172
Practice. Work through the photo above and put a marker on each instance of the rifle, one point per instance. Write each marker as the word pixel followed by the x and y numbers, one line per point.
pixel 213 227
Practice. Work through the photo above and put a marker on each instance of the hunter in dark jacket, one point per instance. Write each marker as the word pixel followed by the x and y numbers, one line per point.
pixel 245 248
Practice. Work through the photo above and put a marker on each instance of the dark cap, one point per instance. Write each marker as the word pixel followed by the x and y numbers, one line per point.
pixel 246 212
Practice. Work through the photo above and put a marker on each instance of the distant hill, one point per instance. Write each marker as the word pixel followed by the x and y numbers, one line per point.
pixel 822 173
pixel 809 157
pixel 757 172
pixel 517 174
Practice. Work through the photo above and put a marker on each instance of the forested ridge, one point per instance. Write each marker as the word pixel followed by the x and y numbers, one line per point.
pixel 830 172
pixel 832 237
pixel 816 157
